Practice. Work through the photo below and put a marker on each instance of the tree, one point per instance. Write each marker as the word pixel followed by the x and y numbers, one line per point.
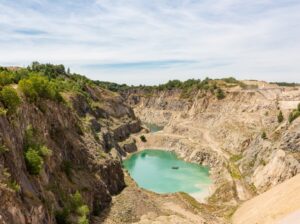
pixel 264 135
pixel 280 117
pixel 10 98
pixel 220 94
pixel 143 138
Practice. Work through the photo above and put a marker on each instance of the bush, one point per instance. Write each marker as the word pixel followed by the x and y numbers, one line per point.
pixel 14 186
pixel 220 94
pixel 3 111
pixel 3 149
pixel 30 138
pixel 45 152
pixel 294 115
pixel 21 74
pixel 280 117
pixel 73 206
pixel 37 86
pixel 33 161
pixel 264 135
pixel 35 152
pixel 236 158
pixel 77 206
pixel 6 78
pixel 143 138
pixel 10 98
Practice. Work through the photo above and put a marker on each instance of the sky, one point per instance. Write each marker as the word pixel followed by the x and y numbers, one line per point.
pixel 152 41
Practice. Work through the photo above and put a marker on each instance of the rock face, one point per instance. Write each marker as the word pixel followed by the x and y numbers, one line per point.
pixel 226 134
pixel 83 139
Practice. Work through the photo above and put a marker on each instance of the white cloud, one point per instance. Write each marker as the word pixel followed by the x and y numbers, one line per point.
pixel 255 39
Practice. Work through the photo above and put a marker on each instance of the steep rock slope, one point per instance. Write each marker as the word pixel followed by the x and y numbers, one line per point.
pixel 78 142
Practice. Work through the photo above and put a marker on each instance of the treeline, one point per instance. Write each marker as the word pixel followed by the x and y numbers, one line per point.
pixel 287 84
pixel 188 87
pixel 206 83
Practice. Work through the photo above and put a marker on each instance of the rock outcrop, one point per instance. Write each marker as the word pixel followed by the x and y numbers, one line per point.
pixel 83 135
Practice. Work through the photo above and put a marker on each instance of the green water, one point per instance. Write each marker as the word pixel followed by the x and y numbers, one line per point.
pixel 152 170
pixel 153 127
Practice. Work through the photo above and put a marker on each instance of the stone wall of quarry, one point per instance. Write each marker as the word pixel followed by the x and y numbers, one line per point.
pixel 227 134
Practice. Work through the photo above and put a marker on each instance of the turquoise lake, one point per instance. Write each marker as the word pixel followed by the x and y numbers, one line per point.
pixel 162 172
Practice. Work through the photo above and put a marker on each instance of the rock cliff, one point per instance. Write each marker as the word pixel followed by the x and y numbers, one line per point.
pixel 80 169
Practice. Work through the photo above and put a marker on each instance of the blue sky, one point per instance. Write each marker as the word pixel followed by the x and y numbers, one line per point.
pixel 152 41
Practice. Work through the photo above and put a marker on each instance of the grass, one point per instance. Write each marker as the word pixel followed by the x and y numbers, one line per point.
pixel 3 149
pixel 234 171
pixel 3 111
pixel 235 158
pixel 253 188
pixel 223 211
pixel 14 186
pixel 192 201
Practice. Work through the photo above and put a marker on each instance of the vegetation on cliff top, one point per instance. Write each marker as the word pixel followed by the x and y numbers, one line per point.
pixel 37 82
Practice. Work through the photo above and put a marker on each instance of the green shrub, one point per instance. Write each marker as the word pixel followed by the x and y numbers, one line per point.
pixel 10 98
pixel 37 86
pixel 45 152
pixel 83 220
pixel 220 94
pixel 83 210
pixel 21 74
pixel 14 186
pixel 33 161
pixel 236 158
pixel 76 201
pixel 3 149
pixel 3 111
pixel 30 139
pixel 35 151
pixel 234 171
pixel 264 135
pixel 143 138
pixel 75 206
pixel 6 78
pixel 280 117
pixel 294 115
